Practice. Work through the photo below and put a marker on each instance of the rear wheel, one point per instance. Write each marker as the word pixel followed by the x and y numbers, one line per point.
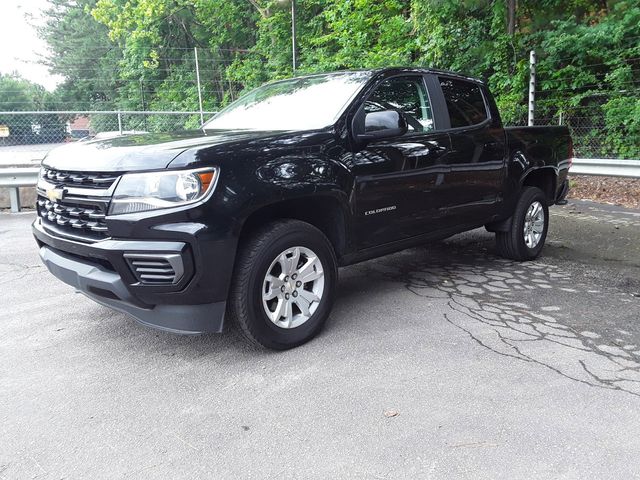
pixel 283 286
pixel 528 229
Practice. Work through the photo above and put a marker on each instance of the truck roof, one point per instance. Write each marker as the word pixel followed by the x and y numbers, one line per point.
pixel 396 70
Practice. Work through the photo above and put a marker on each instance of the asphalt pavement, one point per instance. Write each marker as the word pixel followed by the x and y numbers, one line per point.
pixel 442 361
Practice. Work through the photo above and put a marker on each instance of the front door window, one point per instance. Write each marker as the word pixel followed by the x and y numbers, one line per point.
pixel 407 94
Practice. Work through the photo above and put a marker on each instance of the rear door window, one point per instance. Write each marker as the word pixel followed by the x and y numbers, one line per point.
pixel 464 101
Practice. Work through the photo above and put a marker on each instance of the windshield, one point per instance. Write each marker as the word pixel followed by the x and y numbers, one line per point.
pixel 306 103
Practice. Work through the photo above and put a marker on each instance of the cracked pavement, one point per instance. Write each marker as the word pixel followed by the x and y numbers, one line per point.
pixel 497 369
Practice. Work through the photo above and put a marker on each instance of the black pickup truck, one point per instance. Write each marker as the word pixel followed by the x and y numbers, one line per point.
pixel 250 217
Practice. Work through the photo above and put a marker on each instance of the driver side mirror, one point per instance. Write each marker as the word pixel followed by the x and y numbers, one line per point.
pixel 379 125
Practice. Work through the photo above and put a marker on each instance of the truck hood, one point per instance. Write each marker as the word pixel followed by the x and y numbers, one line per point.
pixel 139 152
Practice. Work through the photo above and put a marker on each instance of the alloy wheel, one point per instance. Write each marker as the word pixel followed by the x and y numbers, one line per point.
pixel 533 224
pixel 293 286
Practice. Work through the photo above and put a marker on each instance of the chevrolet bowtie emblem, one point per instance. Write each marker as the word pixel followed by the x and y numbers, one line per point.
pixel 54 194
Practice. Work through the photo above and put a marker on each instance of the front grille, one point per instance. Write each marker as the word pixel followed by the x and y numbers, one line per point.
pixel 73 215
pixel 79 179
pixel 153 268
pixel 80 213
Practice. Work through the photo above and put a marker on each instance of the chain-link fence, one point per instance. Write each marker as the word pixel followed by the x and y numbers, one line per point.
pixel 589 134
pixel 30 128
pixel 586 133
pixel 594 136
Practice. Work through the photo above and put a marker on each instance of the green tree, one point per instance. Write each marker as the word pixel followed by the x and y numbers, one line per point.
pixel 18 94
pixel 83 54
pixel 588 52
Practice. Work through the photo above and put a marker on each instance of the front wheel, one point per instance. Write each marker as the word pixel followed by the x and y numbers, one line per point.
pixel 528 229
pixel 283 286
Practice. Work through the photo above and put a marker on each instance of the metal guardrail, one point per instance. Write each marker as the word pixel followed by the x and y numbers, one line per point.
pixel 606 167
pixel 13 178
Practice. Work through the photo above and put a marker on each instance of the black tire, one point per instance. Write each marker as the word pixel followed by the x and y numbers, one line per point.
pixel 511 244
pixel 254 258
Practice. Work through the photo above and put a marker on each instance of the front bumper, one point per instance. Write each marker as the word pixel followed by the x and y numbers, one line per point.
pixel 101 272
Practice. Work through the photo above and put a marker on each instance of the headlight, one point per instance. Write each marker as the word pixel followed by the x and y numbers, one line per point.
pixel 139 192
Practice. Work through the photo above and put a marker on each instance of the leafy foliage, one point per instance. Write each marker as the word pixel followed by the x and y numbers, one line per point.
pixel 138 54
pixel 18 94
pixel 83 54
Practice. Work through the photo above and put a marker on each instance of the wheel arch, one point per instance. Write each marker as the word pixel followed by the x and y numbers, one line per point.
pixel 544 178
pixel 326 212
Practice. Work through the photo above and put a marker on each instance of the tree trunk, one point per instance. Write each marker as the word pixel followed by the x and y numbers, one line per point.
pixel 511 17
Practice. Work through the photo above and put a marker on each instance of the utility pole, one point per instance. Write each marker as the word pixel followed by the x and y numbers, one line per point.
pixel 293 34
pixel 144 107
pixel 532 86
pixel 142 94
pixel 195 50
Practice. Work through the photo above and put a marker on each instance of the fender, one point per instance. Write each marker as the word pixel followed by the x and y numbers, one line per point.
pixel 313 189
